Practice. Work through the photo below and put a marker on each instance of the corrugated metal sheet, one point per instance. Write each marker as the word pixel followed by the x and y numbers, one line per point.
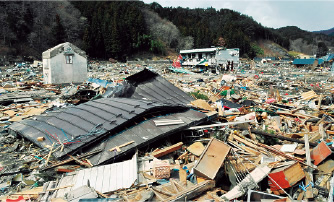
pixel 151 86
pixel 88 122
pixel 144 133
pixel 102 178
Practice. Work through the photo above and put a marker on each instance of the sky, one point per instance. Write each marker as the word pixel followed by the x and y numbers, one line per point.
pixel 309 15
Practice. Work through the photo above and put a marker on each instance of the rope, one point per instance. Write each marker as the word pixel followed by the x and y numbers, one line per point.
pixel 96 130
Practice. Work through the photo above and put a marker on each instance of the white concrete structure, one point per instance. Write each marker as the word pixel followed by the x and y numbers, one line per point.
pixel 210 56
pixel 64 63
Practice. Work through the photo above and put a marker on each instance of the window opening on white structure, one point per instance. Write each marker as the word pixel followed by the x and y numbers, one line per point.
pixel 69 59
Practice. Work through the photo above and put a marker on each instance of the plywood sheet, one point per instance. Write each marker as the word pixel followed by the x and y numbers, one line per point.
pixel 212 159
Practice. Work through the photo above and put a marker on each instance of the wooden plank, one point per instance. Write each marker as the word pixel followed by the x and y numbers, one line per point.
pixel 167 150
pixel 196 148
pixel 192 192
pixel 211 159
pixel 177 185
pixel 282 137
pixel 70 159
pixel 309 175
pixel 202 104
pixel 27 194
pixel 285 177
pixel 249 144
pixel 319 101
pixel 250 150
pixel 183 176
pixel 118 148
pixel 309 95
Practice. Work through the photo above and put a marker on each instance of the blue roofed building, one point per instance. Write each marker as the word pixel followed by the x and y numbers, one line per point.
pixel 311 62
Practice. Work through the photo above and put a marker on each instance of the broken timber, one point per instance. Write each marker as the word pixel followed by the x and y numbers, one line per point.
pixel 192 192
pixel 71 159
pixel 167 150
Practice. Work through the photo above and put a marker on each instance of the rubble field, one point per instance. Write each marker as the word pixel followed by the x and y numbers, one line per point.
pixel 154 133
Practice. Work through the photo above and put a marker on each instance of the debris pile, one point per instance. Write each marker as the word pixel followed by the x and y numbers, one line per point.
pixel 132 133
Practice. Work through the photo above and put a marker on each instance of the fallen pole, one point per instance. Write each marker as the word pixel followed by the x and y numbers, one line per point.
pixel 282 137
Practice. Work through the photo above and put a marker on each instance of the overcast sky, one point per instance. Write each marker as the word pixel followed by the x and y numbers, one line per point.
pixel 310 15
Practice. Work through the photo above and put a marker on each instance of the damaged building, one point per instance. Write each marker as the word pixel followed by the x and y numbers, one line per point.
pixel 64 63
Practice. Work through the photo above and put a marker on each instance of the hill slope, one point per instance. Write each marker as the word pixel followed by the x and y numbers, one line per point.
pixel 327 32
pixel 121 29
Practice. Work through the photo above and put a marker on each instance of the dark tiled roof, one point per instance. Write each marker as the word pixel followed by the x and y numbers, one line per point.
pixel 151 86
pixel 90 121
pixel 143 134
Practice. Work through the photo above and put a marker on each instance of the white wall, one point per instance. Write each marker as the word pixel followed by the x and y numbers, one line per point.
pixel 46 71
pixel 60 72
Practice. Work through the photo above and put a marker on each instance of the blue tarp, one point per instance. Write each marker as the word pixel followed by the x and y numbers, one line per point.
pixel 100 82
pixel 180 70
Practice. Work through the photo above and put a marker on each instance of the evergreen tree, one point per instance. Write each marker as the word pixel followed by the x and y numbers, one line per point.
pixel 58 31
pixel 322 50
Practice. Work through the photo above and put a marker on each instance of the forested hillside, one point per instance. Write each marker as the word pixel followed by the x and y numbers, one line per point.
pixel 121 29
pixel 28 28
pixel 207 26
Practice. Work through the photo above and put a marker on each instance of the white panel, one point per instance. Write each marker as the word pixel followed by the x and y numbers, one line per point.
pixel 80 178
pixel 93 177
pixel 100 178
pixel 113 177
pixel 119 175
pixel 106 178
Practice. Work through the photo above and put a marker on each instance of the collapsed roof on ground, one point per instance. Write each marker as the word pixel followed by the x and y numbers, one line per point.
pixel 115 119
pixel 149 85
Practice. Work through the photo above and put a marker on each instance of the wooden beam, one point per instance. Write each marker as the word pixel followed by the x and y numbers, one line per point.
pixel 192 192
pixel 167 150
pixel 283 138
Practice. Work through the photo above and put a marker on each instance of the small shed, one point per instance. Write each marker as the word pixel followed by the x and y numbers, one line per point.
pixel 64 63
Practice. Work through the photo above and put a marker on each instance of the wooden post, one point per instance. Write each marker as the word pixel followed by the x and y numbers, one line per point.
pixel 309 174
pixel 319 101
pixel 47 160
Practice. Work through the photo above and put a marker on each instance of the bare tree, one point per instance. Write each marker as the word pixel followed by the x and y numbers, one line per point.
pixel 186 43
pixel 161 29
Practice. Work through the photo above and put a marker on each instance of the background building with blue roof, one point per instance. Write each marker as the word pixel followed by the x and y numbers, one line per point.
pixel 311 62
